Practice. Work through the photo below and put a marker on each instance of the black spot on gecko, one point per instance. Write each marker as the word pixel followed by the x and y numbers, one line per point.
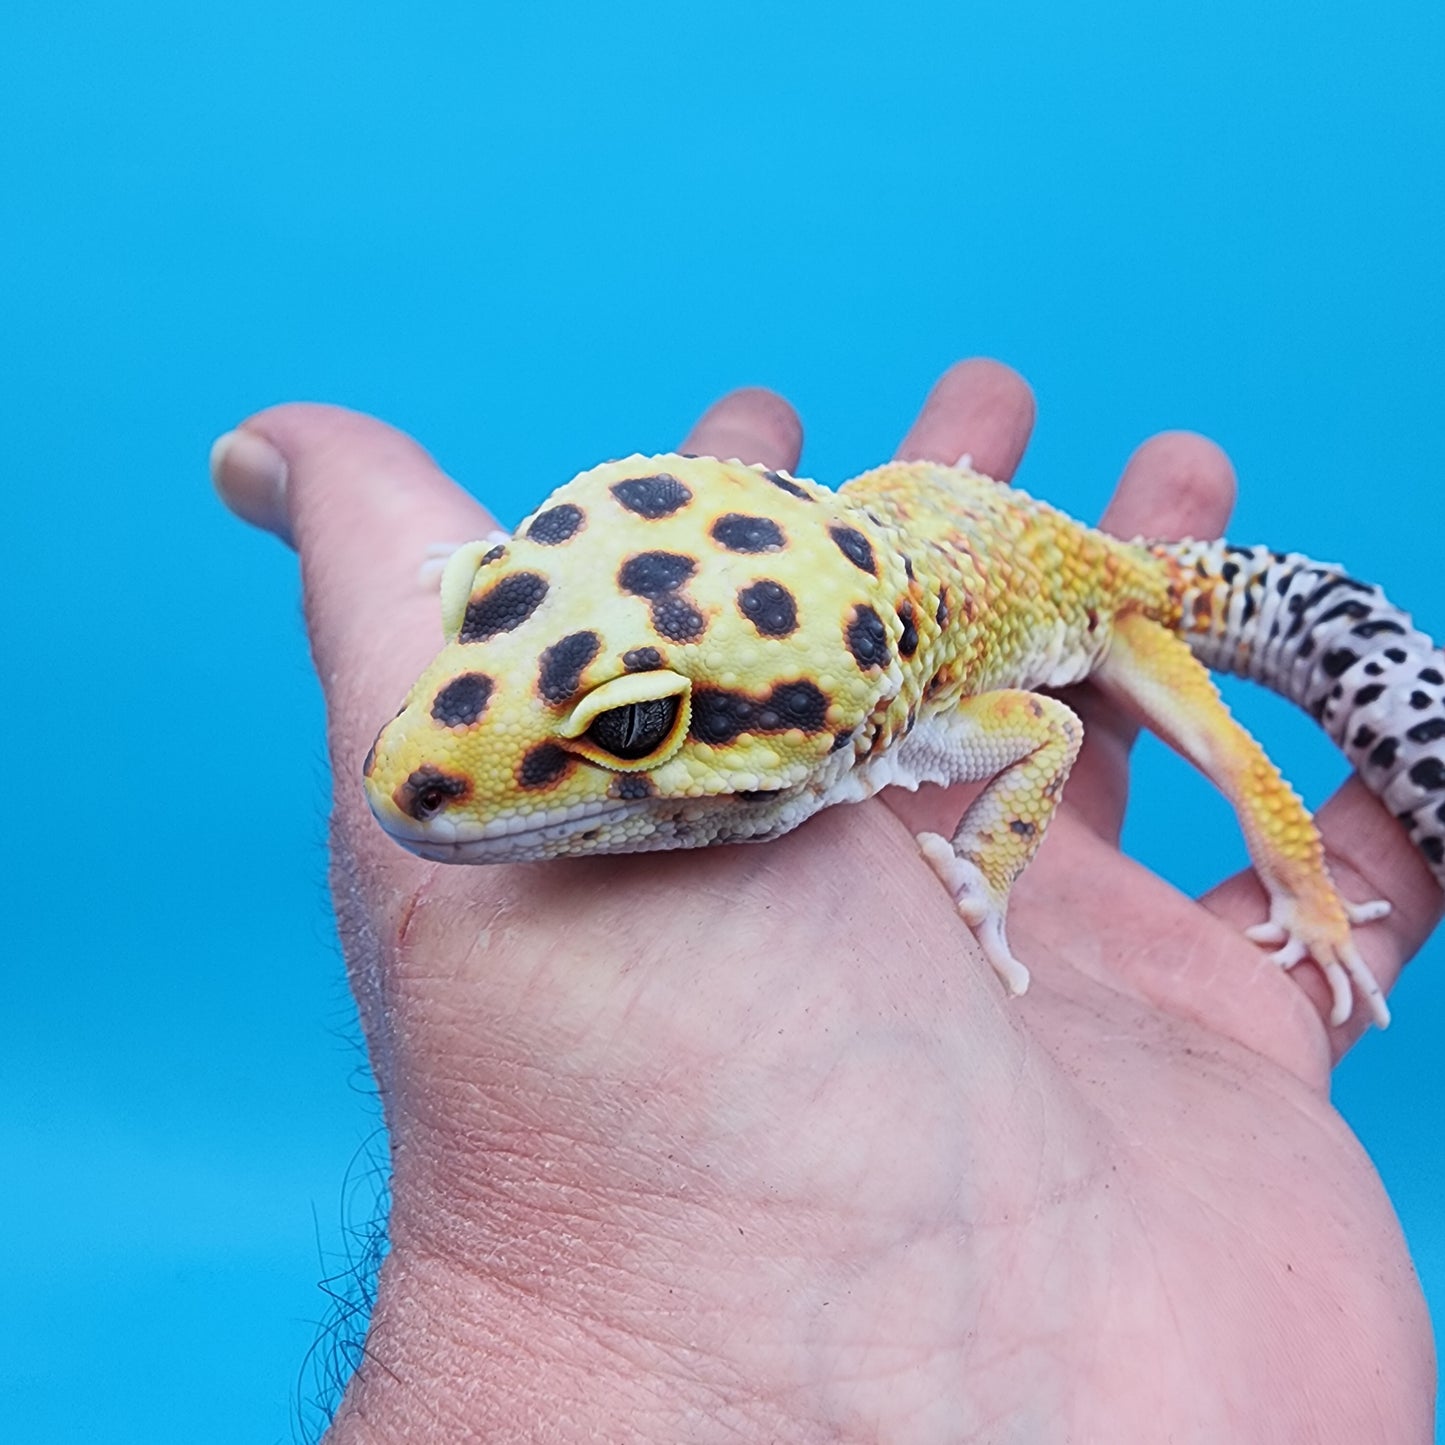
pixel 657 576
pixel 908 642
pixel 463 700
pixel 842 739
pixel 855 547
pixel 642 659
pixel 1431 675
pixel 1023 827
pixel 496 554
pixel 801 705
pixel 427 791
pixel 866 638
pixel 652 497
pixel 505 607
pixel 556 524
pixel 1369 693
pixel 1419 700
pixel 543 765
pixel 740 533
pixel 677 619
pixel 770 607
pixel 940 615
pixel 1384 753
pixel 1433 849
pixel 1229 571
pixel 787 484
pixel 1363 738
pixel 1428 773
pixel 560 674
pixel 1375 628
pixel 1336 661
pixel 1373 669
pixel 719 716
pixel 1429 731
pixel 629 787
pixel 757 795
pixel 1395 654
pixel 654 574
pixel 1349 608
pixel 1321 592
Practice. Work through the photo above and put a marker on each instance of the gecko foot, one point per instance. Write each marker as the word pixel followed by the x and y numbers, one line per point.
pixel 977 906
pixel 1304 933
pixel 438 554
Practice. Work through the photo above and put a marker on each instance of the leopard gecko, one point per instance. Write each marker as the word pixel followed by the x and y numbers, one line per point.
pixel 678 651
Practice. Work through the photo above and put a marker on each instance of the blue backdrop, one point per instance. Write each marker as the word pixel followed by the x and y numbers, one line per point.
pixel 536 236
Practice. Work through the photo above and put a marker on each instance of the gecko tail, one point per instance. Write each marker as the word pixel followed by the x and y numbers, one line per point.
pixel 1338 648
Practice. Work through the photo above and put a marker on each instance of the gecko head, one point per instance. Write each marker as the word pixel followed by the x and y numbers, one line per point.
pixel 660 658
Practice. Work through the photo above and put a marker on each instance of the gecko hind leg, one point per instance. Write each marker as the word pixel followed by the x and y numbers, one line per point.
pixel 1153 673
pixel 1025 743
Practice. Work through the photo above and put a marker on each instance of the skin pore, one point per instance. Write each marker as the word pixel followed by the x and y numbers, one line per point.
pixel 747 1144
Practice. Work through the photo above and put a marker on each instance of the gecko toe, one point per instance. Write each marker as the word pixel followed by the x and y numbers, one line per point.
pixel 1289 953
pixel 1270 932
pixel 1368 912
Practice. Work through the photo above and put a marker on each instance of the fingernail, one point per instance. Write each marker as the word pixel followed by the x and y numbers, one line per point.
pixel 250 476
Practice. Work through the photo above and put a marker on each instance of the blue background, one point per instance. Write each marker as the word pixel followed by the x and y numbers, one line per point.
pixel 536 236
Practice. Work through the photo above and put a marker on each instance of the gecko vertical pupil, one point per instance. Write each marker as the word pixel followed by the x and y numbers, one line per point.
pixel 633 731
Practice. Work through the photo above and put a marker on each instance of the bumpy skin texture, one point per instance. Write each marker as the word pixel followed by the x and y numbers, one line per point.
pixel 679 651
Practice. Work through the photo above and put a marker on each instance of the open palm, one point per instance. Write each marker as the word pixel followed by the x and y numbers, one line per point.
pixel 747 1144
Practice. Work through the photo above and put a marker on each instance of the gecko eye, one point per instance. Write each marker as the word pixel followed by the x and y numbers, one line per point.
pixel 633 731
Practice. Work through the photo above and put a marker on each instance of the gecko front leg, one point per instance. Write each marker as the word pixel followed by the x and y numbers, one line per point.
pixel 1026 743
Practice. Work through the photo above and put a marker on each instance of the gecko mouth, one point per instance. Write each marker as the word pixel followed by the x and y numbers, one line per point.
pixel 514 839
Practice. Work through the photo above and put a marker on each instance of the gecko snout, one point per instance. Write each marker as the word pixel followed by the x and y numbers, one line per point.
pixel 428 791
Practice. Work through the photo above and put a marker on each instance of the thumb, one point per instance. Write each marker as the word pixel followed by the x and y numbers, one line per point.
pixel 363 504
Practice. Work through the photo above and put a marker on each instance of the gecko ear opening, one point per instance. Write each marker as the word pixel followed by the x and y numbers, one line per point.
pixel 631 723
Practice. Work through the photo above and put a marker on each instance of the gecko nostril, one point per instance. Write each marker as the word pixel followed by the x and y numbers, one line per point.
pixel 430 800
pixel 428 791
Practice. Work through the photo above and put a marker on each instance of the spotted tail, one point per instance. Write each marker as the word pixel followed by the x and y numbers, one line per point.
pixel 1341 650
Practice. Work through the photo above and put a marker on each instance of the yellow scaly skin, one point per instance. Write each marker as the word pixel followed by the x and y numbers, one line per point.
pixel 675 652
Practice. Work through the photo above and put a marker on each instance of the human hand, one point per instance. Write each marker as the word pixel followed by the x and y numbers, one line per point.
pixel 748 1143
